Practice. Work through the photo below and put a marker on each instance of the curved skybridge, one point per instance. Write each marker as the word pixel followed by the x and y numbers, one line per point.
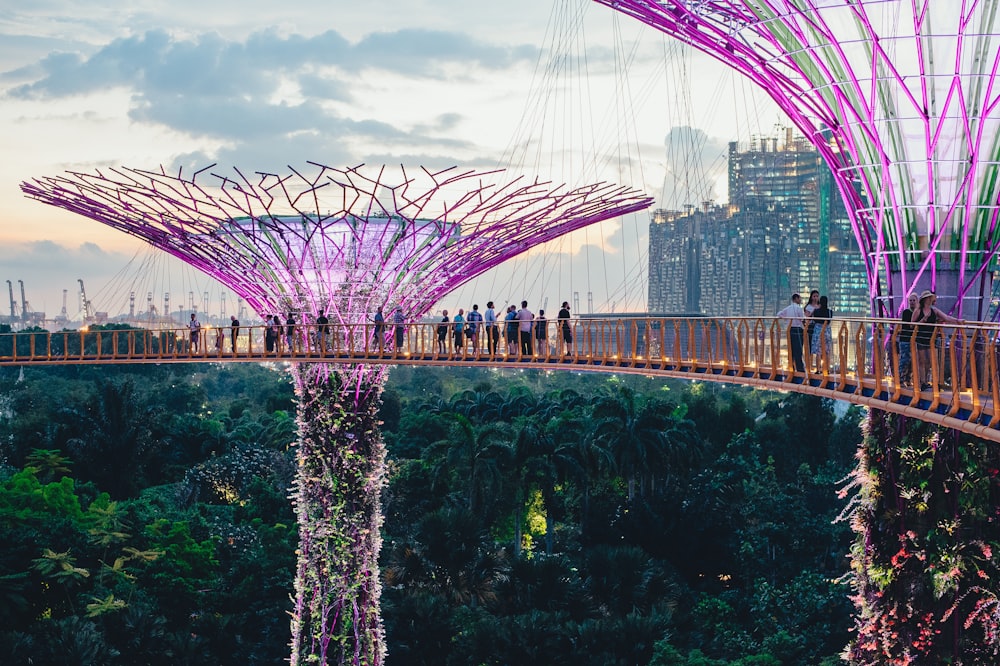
pixel 861 363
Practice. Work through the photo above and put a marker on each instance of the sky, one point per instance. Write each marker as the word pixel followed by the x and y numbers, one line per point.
pixel 564 90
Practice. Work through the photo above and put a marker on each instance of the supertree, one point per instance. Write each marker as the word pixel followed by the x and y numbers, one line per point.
pixel 900 100
pixel 341 241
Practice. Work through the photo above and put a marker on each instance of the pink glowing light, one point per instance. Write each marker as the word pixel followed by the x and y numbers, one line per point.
pixel 340 240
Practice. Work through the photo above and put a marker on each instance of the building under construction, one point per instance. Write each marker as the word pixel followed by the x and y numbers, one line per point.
pixel 784 230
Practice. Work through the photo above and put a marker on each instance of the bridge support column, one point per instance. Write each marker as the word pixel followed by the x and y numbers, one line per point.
pixel 925 559
pixel 341 460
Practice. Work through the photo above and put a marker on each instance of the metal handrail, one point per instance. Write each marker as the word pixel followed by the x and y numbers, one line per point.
pixel 954 375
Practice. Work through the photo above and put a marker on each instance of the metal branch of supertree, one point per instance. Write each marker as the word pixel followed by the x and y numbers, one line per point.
pixel 901 100
pixel 339 240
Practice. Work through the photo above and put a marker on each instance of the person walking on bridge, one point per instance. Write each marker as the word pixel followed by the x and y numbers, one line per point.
pixel 821 338
pixel 398 320
pixel 290 332
pixel 323 332
pixel 542 334
pixel 442 332
pixel 510 323
pixel 379 329
pixel 795 315
pixel 458 328
pixel 926 316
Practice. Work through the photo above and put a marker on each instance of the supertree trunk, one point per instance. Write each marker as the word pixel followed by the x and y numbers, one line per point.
pixel 341 463
pixel 925 569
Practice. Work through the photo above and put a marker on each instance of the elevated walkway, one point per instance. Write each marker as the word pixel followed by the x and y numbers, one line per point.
pixel 862 363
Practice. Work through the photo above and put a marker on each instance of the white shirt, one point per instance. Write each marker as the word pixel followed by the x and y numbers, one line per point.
pixel 525 316
pixel 794 312
pixel 491 316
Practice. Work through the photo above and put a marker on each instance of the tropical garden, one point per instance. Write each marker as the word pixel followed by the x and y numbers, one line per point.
pixel 530 518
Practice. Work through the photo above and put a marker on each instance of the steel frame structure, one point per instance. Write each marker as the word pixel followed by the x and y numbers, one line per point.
pixel 900 99
pixel 344 240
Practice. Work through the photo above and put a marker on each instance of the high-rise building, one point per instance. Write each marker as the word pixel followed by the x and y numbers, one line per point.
pixel 784 230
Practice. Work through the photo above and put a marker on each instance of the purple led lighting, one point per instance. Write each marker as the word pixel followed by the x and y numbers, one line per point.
pixel 900 100
pixel 337 239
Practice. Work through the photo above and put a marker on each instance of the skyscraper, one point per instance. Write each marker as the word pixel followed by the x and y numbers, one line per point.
pixel 784 230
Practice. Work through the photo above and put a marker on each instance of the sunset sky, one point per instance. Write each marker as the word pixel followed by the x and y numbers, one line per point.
pixel 562 89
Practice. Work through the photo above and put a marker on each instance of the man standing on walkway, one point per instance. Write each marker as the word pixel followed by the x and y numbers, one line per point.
pixel 795 315
pixel 565 330
pixel 322 332
pixel 398 320
pixel 234 330
pixel 492 331
pixel 524 317
pixel 194 326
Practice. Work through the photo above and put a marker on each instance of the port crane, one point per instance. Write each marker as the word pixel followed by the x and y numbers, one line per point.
pixel 88 316
pixel 13 303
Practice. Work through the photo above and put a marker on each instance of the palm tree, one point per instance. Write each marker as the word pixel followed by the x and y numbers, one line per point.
pixel 458 558
pixel 632 430
pixel 478 406
pixel 115 437
pixel 682 447
pixel 47 464
pixel 477 454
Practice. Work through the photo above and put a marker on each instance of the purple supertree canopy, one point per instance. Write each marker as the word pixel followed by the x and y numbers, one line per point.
pixel 900 99
pixel 340 240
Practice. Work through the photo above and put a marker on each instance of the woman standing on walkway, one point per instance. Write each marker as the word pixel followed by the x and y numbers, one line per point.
pixel 821 341
pixel 925 317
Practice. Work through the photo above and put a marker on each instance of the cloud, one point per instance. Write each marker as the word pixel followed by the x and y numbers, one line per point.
pixel 271 93
pixel 155 64
pixel 695 162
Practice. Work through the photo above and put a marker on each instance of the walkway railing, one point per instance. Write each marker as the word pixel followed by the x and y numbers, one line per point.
pixel 944 374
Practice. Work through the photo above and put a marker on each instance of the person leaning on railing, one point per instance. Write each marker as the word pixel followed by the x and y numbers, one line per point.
pixel 925 316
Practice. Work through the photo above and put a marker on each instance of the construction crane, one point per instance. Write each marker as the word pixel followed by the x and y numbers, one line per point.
pixel 13 303
pixel 25 310
pixel 88 316
pixel 63 317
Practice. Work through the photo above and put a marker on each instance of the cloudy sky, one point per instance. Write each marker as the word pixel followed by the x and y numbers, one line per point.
pixel 561 89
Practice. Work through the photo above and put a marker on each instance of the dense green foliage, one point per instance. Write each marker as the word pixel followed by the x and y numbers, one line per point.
pixel 530 518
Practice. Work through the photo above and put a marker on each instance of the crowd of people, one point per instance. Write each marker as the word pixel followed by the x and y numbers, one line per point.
pixel 914 340
pixel 473 333
pixel 524 332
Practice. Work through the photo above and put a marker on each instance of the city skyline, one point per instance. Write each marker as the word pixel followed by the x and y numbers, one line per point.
pixel 783 229
pixel 127 84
